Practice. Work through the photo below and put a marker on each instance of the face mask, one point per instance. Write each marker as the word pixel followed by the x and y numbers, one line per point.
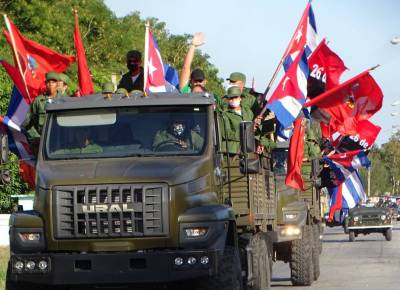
pixel 132 66
pixel 234 103
pixel 178 129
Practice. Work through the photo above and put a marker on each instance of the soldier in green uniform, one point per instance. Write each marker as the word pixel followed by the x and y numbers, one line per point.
pixel 35 117
pixel 239 79
pixel 62 85
pixel 177 137
pixel 236 113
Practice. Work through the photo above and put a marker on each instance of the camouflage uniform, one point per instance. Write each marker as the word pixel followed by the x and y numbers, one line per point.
pixel 36 115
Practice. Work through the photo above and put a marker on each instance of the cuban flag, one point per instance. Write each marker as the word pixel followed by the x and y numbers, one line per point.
pixel 344 164
pixel 347 195
pixel 17 141
pixel 154 80
pixel 290 95
pixel 305 36
pixel 171 78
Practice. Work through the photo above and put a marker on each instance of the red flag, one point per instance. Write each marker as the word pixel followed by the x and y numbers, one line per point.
pixel 325 65
pixel 153 67
pixel 356 99
pixel 84 78
pixel 295 159
pixel 33 61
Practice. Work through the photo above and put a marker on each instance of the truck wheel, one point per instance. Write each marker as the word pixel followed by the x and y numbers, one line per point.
pixel 316 251
pixel 352 236
pixel 388 234
pixel 301 262
pixel 317 234
pixel 261 263
pixel 229 276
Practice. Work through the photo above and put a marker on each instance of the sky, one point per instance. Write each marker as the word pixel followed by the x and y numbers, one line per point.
pixel 251 36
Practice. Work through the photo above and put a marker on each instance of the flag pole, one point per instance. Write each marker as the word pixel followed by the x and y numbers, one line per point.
pixel 278 68
pixel 16 55
pixel 146 52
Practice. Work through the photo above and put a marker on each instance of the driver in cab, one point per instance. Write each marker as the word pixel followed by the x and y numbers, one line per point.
pixel 177 137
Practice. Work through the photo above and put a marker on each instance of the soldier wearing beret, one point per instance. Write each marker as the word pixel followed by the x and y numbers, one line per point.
pixel 133 79
pixel 35 117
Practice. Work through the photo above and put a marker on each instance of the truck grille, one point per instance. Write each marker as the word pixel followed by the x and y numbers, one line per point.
pixel 107 211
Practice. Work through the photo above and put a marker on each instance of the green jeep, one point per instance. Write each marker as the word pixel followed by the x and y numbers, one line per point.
pixel 366 220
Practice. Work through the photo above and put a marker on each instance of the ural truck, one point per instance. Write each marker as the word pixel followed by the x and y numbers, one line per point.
pixel 111 207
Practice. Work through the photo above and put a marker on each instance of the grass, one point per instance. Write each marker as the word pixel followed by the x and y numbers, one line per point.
pixel 4 254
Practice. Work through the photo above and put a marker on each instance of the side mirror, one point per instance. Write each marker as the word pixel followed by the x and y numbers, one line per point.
pixel 247 140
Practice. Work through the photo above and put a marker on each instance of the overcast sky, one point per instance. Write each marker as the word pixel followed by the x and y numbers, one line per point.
pixel 251 36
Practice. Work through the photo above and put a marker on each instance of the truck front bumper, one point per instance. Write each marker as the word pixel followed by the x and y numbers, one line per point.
pixel 113 268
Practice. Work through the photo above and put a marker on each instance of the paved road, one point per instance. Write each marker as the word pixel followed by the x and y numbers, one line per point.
pixel 368 263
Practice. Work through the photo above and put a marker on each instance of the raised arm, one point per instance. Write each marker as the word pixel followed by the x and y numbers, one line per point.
pixel 197 40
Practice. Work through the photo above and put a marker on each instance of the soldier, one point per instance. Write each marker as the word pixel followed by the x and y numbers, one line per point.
pixel 311 149
pixel 196 80
pixel 35 117
pixel 178 136
pixel 133 79
pixel 239 79
pixel 81 144
pixel 235 114
pixel 62 85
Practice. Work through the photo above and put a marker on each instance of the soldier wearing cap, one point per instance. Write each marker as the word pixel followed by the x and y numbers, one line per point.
pixel 311 148
pixel 194 81
pixel 133 79
pixel 108 89
pixel 35 117
pixel 62 85
pixel 235 114
pixel 239 79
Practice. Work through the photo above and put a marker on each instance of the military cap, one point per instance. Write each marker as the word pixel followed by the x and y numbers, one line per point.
pixel 52 76
pixel 121 91
pixel 237 76
pixel 233 91
pixel 134 54
pixel 108 88
pixel 64 78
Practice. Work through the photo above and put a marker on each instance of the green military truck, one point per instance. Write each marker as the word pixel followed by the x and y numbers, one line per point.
pixel 367 220
pixel 113 207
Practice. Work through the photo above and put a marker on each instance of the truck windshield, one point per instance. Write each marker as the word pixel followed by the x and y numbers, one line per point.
pixel 123 132
pixel 279 158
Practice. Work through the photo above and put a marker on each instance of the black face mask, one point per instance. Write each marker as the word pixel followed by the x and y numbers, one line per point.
pixel 132 66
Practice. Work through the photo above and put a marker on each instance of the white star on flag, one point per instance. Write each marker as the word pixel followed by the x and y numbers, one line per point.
pixel 152 68
pixel 299 34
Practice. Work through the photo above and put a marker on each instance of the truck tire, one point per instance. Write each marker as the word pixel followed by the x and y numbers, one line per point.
pixel 316 251
pixel 229 276
pixel 388 235
pixel 301 262
pixel 352 236
pixel 261 264
pixel 317 234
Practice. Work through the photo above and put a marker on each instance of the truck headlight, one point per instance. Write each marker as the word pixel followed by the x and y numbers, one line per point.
pixel 290 216
pixel 356 219
pixel 291 231
pixel 196 232
pixel 30 237
pixel 383 217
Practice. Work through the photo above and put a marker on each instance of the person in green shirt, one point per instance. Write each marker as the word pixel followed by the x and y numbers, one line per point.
pixel 194 81
pixel 177 137
pixel 36 115
pixel 239 79
pixel 62 85
pixel 311 149
pixel 232 116
pixel 80 144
